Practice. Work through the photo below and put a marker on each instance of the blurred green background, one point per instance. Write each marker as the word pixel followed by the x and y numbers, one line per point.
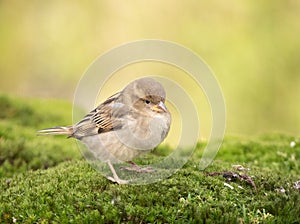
pixel 253 48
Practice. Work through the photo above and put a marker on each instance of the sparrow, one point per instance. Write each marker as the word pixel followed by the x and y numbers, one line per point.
pixel 126 125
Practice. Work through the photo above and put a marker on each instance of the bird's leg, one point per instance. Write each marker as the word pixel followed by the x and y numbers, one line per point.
pixel 137 168
pixel 115 178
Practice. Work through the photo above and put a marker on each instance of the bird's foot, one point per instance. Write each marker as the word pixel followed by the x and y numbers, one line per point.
pixel 139 169
pixel 115 177
pixel 118 180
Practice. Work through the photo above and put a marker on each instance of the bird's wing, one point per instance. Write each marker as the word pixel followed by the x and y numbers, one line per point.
pixel 102 119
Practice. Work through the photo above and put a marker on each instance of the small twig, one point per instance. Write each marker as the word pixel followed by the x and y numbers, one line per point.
pixel 232 176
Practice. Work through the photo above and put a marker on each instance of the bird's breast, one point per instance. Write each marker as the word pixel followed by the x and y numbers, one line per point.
pixel 137 136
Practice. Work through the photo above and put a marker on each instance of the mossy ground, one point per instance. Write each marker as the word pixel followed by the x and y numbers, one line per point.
pixel 45 180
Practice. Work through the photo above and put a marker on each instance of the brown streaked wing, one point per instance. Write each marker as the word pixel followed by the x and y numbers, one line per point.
pixel 98 120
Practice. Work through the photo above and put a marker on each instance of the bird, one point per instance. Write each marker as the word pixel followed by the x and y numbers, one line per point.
pixel 126 125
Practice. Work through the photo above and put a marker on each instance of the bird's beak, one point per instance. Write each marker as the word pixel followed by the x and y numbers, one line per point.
pixel 159 107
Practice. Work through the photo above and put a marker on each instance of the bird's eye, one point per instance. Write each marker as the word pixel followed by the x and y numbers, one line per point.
pixel 147 101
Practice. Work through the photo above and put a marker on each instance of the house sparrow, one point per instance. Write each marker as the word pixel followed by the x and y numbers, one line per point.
pixel 123 127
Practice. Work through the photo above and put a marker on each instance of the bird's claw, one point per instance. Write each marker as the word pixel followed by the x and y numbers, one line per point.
pixel 118 180
pixel 139 169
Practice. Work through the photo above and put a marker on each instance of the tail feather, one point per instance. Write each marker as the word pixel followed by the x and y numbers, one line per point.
pixel 59 130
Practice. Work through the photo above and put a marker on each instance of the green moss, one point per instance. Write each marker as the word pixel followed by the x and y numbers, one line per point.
pixel 20 148
pixel 74 192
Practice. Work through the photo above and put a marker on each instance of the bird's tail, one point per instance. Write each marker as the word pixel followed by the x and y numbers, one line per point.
pixel 60 130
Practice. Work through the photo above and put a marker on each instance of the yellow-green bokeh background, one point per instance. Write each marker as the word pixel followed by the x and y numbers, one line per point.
pixel 253 47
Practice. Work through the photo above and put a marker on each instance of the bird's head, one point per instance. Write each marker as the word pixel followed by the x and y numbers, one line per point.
pixel 147 95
